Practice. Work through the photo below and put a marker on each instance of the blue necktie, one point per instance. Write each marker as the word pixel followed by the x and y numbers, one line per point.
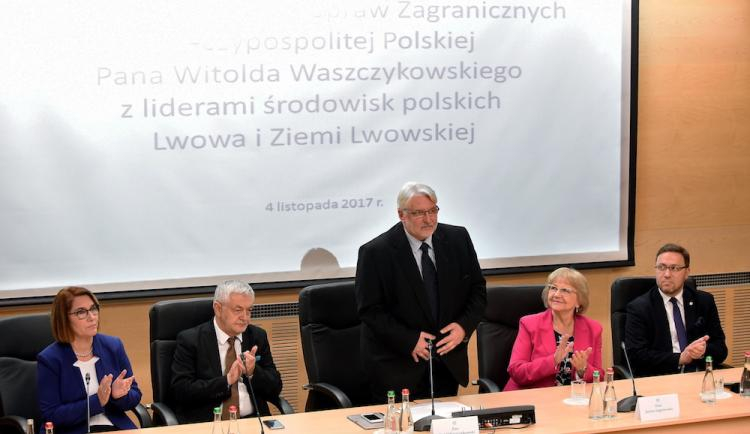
pixel 678 324
pixel 429 276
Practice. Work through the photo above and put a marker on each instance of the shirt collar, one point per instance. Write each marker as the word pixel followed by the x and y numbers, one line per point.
pixel 222 337
pixel 666 297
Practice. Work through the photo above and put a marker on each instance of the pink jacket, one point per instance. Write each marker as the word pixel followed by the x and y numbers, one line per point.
pixel 532 362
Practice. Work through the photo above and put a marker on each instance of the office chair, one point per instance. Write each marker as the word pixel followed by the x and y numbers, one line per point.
pixel 330 334
pixel 167 319
pixel 21 339
pixel 497 331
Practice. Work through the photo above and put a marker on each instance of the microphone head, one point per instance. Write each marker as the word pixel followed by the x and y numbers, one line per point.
pixel 622 344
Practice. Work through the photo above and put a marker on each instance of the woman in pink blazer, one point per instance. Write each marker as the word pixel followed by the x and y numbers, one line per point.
pixel 555 346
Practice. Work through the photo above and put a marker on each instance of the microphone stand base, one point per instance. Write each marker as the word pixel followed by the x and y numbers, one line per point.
pixel 626 405
pixel 425 423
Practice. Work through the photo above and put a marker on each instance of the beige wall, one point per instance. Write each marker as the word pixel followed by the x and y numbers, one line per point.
pixel 693 165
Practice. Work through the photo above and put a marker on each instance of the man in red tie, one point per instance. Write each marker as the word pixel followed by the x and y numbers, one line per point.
pixel 207 370
pixel 673 327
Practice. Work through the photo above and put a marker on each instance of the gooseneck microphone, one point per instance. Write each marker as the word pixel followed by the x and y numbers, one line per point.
pixel 425 423
pixel 628 404
pixel 88 405
pixel 252 395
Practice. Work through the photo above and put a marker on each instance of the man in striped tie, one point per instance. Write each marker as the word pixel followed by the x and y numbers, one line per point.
pixel 207 370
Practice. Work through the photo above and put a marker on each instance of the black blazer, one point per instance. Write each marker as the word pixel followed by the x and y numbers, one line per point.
pixel 198 383
pixel 648 339
pixel 393 306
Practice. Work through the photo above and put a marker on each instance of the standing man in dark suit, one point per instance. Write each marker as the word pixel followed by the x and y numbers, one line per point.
pixel 673 327
pixel 207 370
pixel 418 281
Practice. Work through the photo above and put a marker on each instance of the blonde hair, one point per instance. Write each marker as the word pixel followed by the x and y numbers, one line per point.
pixel 579 282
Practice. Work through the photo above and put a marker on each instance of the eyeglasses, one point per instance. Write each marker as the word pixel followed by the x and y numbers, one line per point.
pixel 84 313
pixel 563 291
pixel 422 212
pixel 673 268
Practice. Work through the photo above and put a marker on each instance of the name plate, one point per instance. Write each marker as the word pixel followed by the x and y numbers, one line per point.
pixel 455 425
pixel 658 407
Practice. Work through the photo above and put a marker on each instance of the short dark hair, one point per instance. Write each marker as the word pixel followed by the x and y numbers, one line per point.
pixel 61 329
pixel 675 248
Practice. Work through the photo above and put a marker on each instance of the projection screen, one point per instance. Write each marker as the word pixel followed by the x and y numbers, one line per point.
pixel 161 144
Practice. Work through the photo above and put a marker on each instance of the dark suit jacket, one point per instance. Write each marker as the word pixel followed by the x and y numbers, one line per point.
pixel 648 339
pixel 62 393
pixel 198 381
pixel 393 305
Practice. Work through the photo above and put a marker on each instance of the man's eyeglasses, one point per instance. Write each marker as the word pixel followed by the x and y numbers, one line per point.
pixel 563 291
pixel 673 268
pixel 84 313
pixel 422 212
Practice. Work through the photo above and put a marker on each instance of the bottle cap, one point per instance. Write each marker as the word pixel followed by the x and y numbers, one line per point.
pixel 610 370
pixel 217 410
pixel 709 359
pixel 391 394
pixel 404 391
pixel 233 408
pixel 596 373
pixel 747 353
pixel 48 425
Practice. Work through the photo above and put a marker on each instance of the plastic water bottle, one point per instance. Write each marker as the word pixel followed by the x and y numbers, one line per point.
pixel 745 380
pixel 30 426
pixel 49 428
pixel 708 388
pixel 596 401
pixel 392 419
pixel 234 425
pixel 610 398
pixel 407 422
pixel 216 427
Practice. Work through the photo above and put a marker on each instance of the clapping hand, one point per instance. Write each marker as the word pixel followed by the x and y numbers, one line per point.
pixel 563 348
pixel 121 385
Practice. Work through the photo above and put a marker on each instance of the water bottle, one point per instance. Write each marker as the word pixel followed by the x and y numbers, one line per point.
pixel 610 398
pixel 216 428
pixel 407 422
pixel 745 380
pixel 596 401
pixel 49 428
pixel 30 426
pixel 708 388
pixel 390 425
pixel 234 424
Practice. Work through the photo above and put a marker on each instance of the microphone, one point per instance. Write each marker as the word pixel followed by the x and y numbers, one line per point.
pixel 252 395
pixel 425 423
pixel 88 405
pixel 626 405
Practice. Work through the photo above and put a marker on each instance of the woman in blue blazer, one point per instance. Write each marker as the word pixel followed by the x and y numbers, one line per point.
pixel 84 365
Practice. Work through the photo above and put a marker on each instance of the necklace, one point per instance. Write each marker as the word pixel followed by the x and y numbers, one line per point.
pixel 90 352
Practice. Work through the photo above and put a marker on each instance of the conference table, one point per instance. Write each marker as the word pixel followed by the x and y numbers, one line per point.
pixel 728 415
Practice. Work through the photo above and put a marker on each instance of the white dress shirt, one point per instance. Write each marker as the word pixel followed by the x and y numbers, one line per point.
pixel 670 317
pixel 246 405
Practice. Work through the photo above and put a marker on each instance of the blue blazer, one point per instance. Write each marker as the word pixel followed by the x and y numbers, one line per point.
pixel 62 392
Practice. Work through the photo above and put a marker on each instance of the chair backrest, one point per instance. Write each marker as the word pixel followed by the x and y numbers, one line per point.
pixel 167 319
pixel 330 334
pixel 497 331
pixel 623 291
pixel 24 336
pixel 21 339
